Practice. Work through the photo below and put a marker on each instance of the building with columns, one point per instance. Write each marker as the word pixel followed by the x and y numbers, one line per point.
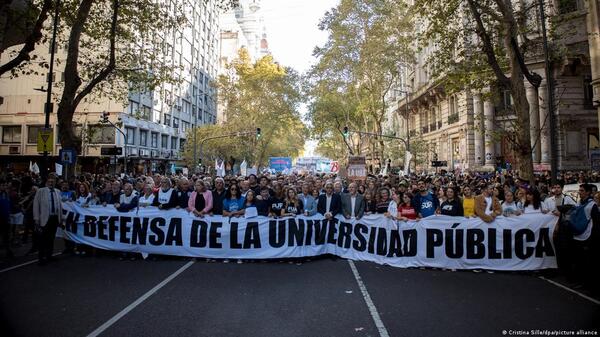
pixel 462 128
pixel 155 122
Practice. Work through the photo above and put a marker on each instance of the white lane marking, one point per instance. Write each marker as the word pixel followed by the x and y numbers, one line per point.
pixel 24 264
pixel 374 314
pixel 137 302
pixel 593 300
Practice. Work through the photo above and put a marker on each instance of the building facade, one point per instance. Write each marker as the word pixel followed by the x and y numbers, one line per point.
pixel 463 128
pixel 155 123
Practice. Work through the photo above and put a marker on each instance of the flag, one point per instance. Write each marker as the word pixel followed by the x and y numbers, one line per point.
pixel 35 168
pixel 244 168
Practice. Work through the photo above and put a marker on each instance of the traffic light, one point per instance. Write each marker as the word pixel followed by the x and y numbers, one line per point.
pixel 257 133
pixel 346 132
pixel 104 118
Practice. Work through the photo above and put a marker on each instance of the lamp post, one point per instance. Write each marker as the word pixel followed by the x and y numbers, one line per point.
pixel 48 107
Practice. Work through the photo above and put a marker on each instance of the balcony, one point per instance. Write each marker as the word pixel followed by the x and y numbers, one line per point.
pixel 432 127
pixel 453 118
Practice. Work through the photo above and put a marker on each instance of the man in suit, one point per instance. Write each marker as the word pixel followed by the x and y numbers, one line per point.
pixel 308 201
pixel 329 204
pixel 47 215
pixel 353 204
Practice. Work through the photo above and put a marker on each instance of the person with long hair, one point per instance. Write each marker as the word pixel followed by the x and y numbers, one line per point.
pixel 509 206
pixel 533 202
pixel 233 205
pixel 292 205
pixel 370 203
pixel 147 197
pixel 406 211
pixel 83 195
pixel 200 202
pixel 452 206
pixel 383 201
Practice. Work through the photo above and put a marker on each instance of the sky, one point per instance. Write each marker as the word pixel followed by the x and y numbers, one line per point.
pixel 293 33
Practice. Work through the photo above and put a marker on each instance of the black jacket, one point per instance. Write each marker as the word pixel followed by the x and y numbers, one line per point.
pixel 173 201
pixel 336 204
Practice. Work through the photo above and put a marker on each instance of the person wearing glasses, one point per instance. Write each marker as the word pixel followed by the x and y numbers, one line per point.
pixel 233 205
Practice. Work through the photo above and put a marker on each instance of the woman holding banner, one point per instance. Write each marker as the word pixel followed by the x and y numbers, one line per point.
pixel 200 202
pixel 292 205
pixel 233 205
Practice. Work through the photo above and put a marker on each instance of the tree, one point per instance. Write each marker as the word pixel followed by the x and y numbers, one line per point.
pixel 105 41
pixel 481 43
pixel 358 66
pixel 255 95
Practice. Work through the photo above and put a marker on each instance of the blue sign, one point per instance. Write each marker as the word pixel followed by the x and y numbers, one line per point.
pixel 67 156
pixel 279 164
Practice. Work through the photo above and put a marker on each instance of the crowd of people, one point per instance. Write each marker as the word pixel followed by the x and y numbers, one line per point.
pixel 30 209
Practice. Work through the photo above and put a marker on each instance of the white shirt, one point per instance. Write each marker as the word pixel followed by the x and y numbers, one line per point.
pixel 146 201
pixel 554 201
pixel 488 206
pixel 353 203
pixel 328 202
pixel 164 197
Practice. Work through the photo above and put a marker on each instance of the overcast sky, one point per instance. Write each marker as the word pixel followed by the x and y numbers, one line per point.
pixel 293 34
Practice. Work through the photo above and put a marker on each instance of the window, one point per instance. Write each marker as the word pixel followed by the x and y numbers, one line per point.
pixel 185 126
pixel 167 121
pixel 130 132
pixel 154 140
pixel 568 6
pixel 11 134
pixel 588 93
pixel 164 141
pixel 100 134
pixel 133 107
pixel 181 145
pixel 32 133
pixel 143 138
pixel 175 122
pixel 146 112
pixel 173 143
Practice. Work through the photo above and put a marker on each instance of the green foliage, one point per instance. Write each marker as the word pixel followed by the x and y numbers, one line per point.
pixel 367 48
pixel 261 95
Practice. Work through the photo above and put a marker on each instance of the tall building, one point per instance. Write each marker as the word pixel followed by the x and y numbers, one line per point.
pixel 460 128
pixel 155 123
pixel 241 27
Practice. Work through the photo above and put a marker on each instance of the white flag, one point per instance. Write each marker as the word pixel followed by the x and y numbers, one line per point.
pixel 244 168
pixel 58 169
pixel 35 168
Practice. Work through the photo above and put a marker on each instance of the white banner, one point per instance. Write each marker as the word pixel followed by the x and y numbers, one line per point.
pixel 514 243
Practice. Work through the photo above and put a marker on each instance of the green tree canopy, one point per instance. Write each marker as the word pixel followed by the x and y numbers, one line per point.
pixel 262 95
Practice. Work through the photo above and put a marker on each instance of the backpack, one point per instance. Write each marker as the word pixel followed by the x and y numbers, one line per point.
pixel 576 220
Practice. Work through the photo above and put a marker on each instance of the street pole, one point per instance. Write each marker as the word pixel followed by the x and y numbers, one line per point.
pixel 48 106
pixel 550 104
pixel 407 130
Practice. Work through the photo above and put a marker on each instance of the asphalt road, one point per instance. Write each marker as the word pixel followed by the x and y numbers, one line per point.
pixel 77 296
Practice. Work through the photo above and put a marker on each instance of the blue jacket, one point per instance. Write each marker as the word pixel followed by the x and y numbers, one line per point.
pixel 309 203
